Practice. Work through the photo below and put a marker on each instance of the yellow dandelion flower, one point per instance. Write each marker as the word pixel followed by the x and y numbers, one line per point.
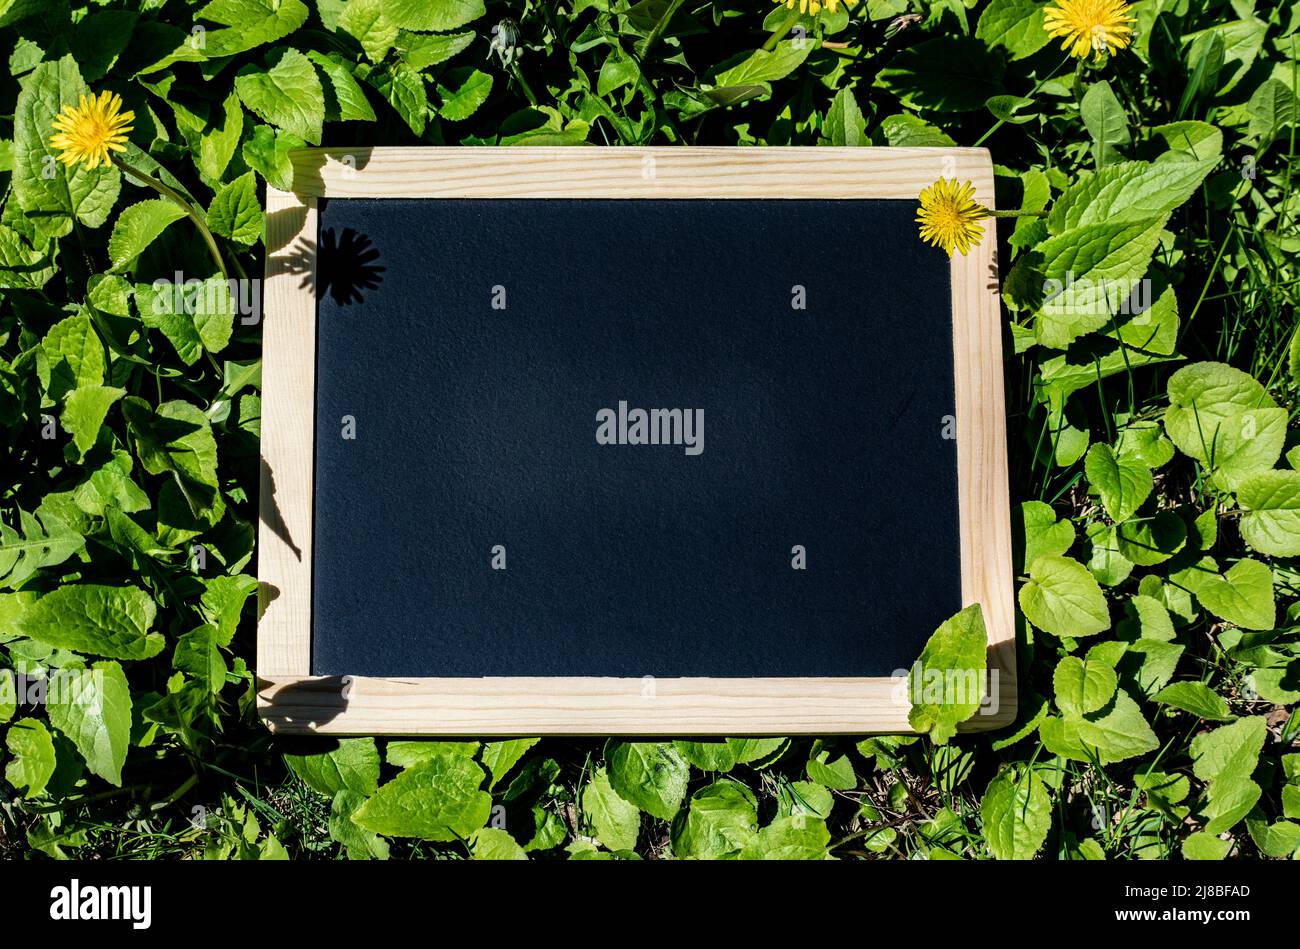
pixel 816 6
pixel 1090 26
pixel 89 131
pixel 949 216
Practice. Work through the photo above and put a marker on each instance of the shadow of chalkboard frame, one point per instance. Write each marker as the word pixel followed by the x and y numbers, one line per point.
pixel 293 701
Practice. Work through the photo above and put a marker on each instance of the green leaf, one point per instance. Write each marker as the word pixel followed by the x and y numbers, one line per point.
pixel 98 620
pixel 51 193
pixel 176 439
pixel 720 822
pixel 139 226
pixel 360 844
pixel 1279 839
pixel 1045 536
pixel 1223 418
pixel 235 213
pixel 288 95
pixel 1225 759
pixel 1148 541
pixel 41 540
pixel 438 799
pixel 366 22
pixel 798 837
pixel 432 15
pixel 1243 595
pixel 488 843
pixel 349 103
pixel 251 23
pixel 84 411
pixel 500 756
pixel 267 153
pixel 1016 25
pixel 1197 698
pixel 651 775
pixel 352 766
pixel 1083 687
pixel 1131 191
pixel 844 122
pixel 948 74
pixel 616 822
pixel 1106 122
pixel 1106 563
pixel 1270 522
pixel 22 266
pixel 464 101
pixel 766 66
pixel 1122 482
pixel 94 711
pixel 708 755
pixel 1203 846
pixel 1272 108
pixel 1062 598
pixel 946 684
pixel 32 748
pixel 75 355
pixel 1189 141
pixel 420 51
pixel 1114 733
pixel 1017 813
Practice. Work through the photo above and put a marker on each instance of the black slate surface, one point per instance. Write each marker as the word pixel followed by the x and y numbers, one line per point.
pixel 476 427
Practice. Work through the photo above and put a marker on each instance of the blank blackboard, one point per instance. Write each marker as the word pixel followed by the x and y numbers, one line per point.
pixel 490 525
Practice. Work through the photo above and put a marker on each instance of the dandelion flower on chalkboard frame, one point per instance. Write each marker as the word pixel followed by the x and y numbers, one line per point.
pixel 949 217
pixel 87 132
pixel 1090 26
pixel 816 6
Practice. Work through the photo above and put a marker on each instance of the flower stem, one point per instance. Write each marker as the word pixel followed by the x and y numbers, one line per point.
pixel 991 213
pixel 780 32
pixel 189 209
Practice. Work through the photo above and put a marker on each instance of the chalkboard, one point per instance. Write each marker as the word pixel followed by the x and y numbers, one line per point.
pixel 621 442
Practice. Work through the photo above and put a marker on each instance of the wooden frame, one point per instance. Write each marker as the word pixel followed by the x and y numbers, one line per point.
pixel 291 700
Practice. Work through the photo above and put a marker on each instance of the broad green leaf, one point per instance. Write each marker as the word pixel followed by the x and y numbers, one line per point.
pixel 267 153
pixel 75 354
pixel 844 122
pixel 213 136
pixel 830 771
pixel 1272 108
pixel 1279 839
pixel 463 101
pixel 349 103
pixel 1223 418
pixel 84 411
pixel 139 226
pixel 1106 562
pixel 1062 598
pixel 176 439
pixel 360 844
pixel 94 711
pixel 438 799
pixel 906 130
pixel 1203 846
pixel 1083 687
pixel 1270 522
pixel 766 66
pixel 615 822
pixel 288 95
pixel 1225 759
pixel 720 821
pixel 789 838
pixel 222 602
pixel 1197 698
pixel 249 24
pixel 197 652
pixel 22 266
pixel 708 755
pixel 352 765
pixel 1017 813
pixel 1148 541
pixel 1016 25
pixel 500 756
pixel 1189 141
pixel 489 843
pixel 651 775
pixel 946 684
pixel 1091 270
pixel 1115 733
pixel 422 50
pixel 947 74
pixel 235 213
pixel 432 15
pixel 1106 122
pixel 50 192
pixel 32 756
pixel 1132 191
pixel 405 754
pixel 112 621
pixel 367 23
pixel 1146 441
pixel 1045 536
pixel 1243 595
pixel 1123 482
